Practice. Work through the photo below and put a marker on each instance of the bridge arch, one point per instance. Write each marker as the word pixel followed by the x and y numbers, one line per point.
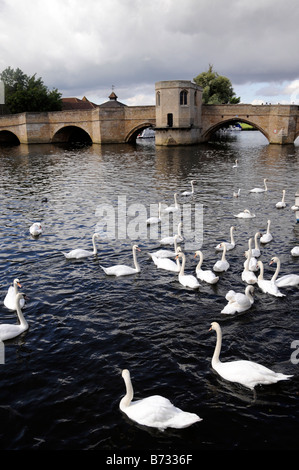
pixel 71 134
pixel 211 130
pixel 132 135
pixel 8 138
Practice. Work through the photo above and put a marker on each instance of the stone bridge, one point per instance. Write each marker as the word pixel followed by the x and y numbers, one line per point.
pixel 101 125
pixel 278 123
pixel 176 122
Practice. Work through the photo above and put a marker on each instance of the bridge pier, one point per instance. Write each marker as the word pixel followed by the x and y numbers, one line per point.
pixel 282 124
pixel 178 113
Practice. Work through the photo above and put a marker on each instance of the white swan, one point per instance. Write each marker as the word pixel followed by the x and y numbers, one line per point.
pixel 204 275
pixel 154 411
pixel 79 253
pixel 189 193
pixel 267 237
pixel 252 266
pixel 229 245
pixel 246 373
pixel 295 251
pixel 222 264
pixel 155 220
pixel 8 331
pixel 246 214
pixel 173 208
pixel 123 269
pixel 247 275
pixel 187 280
pixel 238 302
pixel 268 286
pixel 167 264
pixel 260 190
pixel 288 280
pixel 166 253
pixel 10 298
pixel 295 208
pixel 170 240
pixel 255 252
pixel 237 194
pixel 36 229
pixel 281 204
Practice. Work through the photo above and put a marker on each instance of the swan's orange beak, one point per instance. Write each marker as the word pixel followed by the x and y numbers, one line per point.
pixel 19 285
pixel 137 248
pixel 271 262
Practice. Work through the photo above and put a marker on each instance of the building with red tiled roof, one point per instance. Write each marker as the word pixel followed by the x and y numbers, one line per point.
pixel 69 104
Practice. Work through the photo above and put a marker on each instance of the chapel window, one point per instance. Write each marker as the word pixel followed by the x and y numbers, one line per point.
pixel 183 97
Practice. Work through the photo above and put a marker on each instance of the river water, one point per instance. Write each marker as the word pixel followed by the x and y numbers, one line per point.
pixel 61 380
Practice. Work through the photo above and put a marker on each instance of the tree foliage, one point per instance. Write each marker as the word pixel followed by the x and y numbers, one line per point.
pixel 28 94
pixel 217 89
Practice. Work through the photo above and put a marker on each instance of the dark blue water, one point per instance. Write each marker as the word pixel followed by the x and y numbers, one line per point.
pixel 61 382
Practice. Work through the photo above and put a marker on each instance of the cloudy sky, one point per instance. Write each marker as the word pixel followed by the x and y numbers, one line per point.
pixel 83 47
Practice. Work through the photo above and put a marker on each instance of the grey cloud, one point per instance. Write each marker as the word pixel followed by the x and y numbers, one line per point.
pixel 79 46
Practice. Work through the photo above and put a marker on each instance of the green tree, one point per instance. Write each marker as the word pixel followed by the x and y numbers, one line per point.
pixel 217 89
pixel 28 94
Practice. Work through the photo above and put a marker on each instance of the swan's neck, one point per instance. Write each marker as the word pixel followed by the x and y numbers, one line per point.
pixel 265 184
pixel 22 320
pixel 283 196
pixel 183 265
pixel 192 187
pixel 215 358
pixel 256 245
pixel 16 287
pixel 159 211
pixel 275 275
pixel 95 250
pixel 248 294
pixel 232 235
pixel 175 201
pixel 175 244
pixel 126 400
pixel 137 267
pixel 223 253
pixel 249 255
pixel 261 274
pixel 179 230
pixel 268 226
pixel 200 261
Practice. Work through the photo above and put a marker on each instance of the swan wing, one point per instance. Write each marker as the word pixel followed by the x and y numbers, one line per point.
pixel 266 238
pixel 166 263
pixel 119 270
pixel 242 300
pixel 159 412
pixel 163 254
pixel 78 253
pixel 288 280
pixel 167 241
pixel 248 373
pixel 295 251
pixel 10 331
pixel 220 266
pixel 269 287
pixel 188 280
pixel 230 295
pixel 207 276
